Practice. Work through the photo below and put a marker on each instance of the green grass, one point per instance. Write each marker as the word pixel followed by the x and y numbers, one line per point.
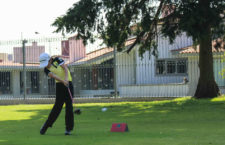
pixel 182 121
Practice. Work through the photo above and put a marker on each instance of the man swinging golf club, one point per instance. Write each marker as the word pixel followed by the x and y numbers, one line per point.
pixel 57 69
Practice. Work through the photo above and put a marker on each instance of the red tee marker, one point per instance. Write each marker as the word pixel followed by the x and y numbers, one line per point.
pixel 119 127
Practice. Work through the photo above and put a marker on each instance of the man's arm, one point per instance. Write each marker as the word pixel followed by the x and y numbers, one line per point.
pixel 65 68
pixel 57 78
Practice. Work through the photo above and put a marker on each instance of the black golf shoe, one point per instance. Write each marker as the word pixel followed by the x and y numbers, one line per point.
pixel 43 129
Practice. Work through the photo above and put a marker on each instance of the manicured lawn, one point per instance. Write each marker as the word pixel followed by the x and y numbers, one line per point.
pixel 182 121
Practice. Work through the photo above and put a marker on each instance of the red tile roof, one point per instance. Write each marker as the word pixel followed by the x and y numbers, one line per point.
pixel 95 54
pixel 8 64
pixel 89 56
pixel 102 51
pixel 192 49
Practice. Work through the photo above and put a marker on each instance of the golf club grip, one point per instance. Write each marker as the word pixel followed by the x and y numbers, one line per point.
pixel 70 94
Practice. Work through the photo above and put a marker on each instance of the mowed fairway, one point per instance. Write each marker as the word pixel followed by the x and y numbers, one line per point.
pixel 182 121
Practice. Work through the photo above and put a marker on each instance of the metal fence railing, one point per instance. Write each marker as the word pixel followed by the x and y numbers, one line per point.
pixel 174 73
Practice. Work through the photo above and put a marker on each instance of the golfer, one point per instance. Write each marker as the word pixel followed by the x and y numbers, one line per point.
pixel 56 68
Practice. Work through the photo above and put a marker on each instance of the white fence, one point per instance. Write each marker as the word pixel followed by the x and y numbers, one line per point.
pixel 92 68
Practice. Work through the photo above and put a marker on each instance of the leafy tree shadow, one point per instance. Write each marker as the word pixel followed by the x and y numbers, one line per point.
pixel 94 121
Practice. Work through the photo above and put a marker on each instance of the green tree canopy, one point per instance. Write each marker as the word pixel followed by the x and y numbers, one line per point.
pixel 115 21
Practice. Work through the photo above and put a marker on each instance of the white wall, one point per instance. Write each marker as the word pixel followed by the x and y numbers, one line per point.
pixel 15 81
pixel 145 69
pixel 193 71
pixel 126 68
pixel 193 74
pixel 167 90
pixel 218 66
pixel 94 93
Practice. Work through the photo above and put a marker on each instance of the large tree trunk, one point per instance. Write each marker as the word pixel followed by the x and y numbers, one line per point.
pixel 207 87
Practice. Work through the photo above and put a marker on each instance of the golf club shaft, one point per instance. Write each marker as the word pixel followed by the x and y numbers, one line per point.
pixel 70 94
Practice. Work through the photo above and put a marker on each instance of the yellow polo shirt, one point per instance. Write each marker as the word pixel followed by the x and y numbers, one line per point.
pixel 57 69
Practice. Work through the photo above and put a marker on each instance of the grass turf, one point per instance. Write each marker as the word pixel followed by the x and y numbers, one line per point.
pixel 182 121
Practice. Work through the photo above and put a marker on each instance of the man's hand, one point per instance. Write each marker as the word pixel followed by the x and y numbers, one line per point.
pixel 66 83
pixel 49 62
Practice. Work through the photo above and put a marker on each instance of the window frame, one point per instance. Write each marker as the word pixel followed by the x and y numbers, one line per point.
pixel 35 81
pixel 176 60
pixel 5 83
pixel 30 88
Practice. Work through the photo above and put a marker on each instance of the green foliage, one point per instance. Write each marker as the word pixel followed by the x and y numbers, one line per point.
pixel 80 18
pixel 193 17
pixel 115 21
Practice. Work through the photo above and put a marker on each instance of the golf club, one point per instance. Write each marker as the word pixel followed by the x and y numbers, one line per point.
pixel 76 111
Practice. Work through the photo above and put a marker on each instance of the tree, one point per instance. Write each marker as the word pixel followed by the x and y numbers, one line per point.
pixel 114 20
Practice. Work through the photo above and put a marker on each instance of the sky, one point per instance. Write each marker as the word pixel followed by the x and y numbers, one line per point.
pixel 22 18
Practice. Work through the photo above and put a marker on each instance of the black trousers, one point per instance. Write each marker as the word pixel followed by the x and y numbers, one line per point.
pixel 62 96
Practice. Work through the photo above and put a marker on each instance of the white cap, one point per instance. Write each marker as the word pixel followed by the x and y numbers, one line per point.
pixel 43 59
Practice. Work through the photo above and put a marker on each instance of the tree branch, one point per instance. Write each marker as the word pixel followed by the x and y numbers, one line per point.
pixel 152 26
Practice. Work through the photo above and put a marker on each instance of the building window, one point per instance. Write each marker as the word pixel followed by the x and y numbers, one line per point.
pixel 171 66
pixel 97 77
pixel 182 66
pixel 160 67
pixel 5 83
pixel 34 82
pixel 105 75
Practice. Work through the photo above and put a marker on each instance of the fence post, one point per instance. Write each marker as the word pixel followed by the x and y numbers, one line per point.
pixel 115 72
pixel 24 68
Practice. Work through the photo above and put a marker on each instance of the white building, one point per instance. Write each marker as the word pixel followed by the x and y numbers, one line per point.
pixel 93 72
